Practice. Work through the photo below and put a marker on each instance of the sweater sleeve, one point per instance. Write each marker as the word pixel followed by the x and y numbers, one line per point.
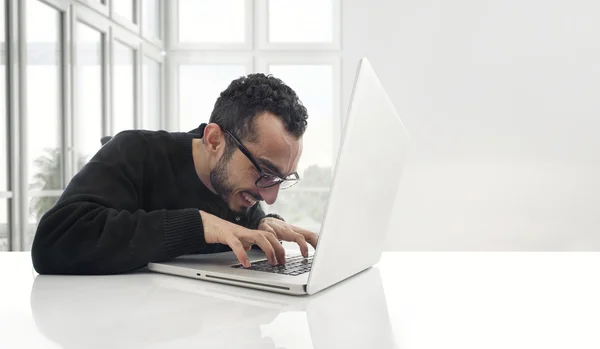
pixel 97 226
pixel 254 216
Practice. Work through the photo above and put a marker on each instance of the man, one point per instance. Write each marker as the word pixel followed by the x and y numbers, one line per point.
pixel 151 196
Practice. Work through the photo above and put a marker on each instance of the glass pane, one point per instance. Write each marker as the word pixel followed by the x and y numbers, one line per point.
pixel 300 21
pixel 151 18
pixel 151 94
pixel 3 224
pixel 3 115
pixel 199 88
pixel 44 93
pixel 304 204
pixel 123 85
pixel 212 21
pixel 38 206
pixel 124 8
pixel 314 86
pixel 89 93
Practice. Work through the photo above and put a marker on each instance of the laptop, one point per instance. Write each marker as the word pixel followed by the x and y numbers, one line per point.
pixel 366 177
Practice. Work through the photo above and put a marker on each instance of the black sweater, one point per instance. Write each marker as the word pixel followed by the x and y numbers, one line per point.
pixel 136 201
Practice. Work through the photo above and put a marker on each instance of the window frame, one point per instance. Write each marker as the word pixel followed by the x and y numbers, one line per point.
pixel 102 9
pixel 5 51
pixel 135 43
pixel 102 25
pixel 134 25
pixel 157 55
pixel 23 193
pixel 14 102
pixel 158 41
pixel 61 6
pixel 100 17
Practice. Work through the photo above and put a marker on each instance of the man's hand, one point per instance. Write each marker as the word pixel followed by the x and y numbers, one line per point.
pixel 287 232
pixel 240 239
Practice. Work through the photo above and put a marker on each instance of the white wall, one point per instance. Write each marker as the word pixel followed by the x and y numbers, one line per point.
pixel 502 100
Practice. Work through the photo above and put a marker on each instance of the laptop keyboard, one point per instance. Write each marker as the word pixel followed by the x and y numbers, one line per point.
pixel 294 265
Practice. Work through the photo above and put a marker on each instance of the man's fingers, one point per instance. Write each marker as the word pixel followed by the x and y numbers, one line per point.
pixel 272 236
pixel 309 236
pixel 290 233
pixel 301 241
pixel 238 249
pixel 279 250
pixel 270 230
pixel 287 234
pixel 261 240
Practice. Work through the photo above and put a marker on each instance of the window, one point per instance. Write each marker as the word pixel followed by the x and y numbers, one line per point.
pixel 44 111
pixel 209 21
pixel 151 89
pixel 44 96
pixel 151 21
pixel 83 80
pixel 199 88
pixel 124 9
pixel 209 30
pixel 314 86
pixel 123 87
pixel 89 94
pixel 300 21
pixel 307 25
pixel 304 204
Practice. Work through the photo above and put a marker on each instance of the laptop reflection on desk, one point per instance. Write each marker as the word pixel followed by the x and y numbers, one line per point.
pixel 150 311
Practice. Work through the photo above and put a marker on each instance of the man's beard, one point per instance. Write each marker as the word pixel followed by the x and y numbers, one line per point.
pixel 219 181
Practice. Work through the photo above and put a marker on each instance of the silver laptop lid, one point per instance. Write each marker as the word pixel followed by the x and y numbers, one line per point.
pixel 366 177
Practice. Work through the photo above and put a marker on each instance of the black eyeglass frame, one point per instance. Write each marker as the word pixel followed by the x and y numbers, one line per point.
pixel 294 180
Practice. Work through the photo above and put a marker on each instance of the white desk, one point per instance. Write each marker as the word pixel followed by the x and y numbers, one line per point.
pixel 410 300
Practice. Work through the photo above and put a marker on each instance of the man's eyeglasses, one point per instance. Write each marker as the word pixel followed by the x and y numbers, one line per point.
pixel 265 180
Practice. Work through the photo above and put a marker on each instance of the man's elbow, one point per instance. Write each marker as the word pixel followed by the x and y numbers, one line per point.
pixel 49 251
pixel 44 255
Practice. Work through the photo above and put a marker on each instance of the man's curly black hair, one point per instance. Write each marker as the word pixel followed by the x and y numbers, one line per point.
pixel 251 95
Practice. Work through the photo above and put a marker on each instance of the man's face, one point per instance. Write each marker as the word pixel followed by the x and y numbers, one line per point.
pixel 276 152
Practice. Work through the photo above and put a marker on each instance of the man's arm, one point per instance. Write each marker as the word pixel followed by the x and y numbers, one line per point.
pixel 97 227
pixel 256 214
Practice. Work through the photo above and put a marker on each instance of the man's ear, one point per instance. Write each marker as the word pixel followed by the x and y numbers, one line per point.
pixel 213 138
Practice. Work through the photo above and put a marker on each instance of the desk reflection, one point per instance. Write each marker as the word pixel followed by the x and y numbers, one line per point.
pixel 148 310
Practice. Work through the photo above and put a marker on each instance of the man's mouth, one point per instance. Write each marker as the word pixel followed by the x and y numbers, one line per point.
pixel 250 200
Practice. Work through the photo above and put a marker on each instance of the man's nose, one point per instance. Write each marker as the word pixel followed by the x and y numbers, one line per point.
pixel 269 194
